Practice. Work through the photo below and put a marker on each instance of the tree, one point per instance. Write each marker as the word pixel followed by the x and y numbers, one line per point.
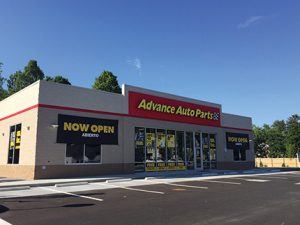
pixel 107 81
pixel 293 135
pixel 20 80
pixel 58 79
pixel 16 82
pixel 276 138
pixel 260 142
pixel 32 72
pixel 3 92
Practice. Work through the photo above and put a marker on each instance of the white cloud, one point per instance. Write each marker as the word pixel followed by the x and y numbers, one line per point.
pixel 136 62
pixel 249 21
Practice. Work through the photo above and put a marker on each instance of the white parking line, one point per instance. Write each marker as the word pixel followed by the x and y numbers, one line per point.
pixel 131 189
pixel 291 175
pixel 297 183
pixel 256 180
pixel 72 194
pixel 3 222
pixel 221 182
pixel 271 177
pixel 183 185
pixel 250 180
pixel 178 185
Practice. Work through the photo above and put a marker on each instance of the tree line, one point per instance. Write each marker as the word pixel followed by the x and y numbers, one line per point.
pixel 106 81
pixel 281 139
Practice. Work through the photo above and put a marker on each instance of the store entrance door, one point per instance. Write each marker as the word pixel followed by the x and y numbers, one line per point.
pixel 198 152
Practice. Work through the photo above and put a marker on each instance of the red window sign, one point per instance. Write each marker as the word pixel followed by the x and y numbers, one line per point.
pixel 154 107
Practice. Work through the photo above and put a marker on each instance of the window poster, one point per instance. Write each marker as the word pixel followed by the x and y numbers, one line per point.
pixel 150 139
pixel 161 140
pixel 161 166
pixel 150 167
pixel 181 166
pixel 139 137
pixel 171 140
pixel 171 166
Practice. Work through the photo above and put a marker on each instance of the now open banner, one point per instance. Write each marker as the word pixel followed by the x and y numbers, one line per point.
pixel 86 130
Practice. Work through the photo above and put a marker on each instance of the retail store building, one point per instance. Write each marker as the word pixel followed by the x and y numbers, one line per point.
pixel 51 130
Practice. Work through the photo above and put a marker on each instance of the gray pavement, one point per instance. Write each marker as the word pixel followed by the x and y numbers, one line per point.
pixel 249 198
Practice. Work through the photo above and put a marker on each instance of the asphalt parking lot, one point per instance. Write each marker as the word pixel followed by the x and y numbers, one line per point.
pixel 264 199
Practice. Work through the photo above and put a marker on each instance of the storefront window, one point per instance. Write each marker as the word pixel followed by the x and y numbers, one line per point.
pixel 206 156
pixel 14 144
pixel 171 150
pixel 180 148
pixel 150 150
pixel 92 154
pixel 79 153
pixel 239 154
pixel 161 149
pixel 198 149
pixel 212 145
pixel 139 149
pixel 189 150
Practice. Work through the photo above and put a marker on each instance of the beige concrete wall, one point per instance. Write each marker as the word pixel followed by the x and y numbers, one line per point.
pixel 17 103
pixel 277 162
pixel 28 137
pixel 61 171
pixel 51 153
pixel 235 121
pixel 25 168
pixel 71 96
pixel 20 100
pixel 17 171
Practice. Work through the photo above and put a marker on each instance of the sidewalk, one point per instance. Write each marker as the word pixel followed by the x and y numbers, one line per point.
pixel 11 183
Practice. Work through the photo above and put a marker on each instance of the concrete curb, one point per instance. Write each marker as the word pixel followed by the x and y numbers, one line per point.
pixel 71 184
pixel 17 188
pixel 151 178
pixel 118 180
pixel 230 173
pixel 53 183
pixel 210 174
pixel 248 172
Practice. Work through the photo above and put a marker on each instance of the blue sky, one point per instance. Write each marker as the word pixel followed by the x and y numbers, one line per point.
pixel 242 54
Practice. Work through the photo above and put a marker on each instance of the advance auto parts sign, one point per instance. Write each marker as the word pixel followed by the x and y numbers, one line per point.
pixel 154 107
pixel 237 140
pixel 84 130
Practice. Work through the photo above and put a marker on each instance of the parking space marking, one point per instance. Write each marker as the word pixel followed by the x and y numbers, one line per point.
pixel 188 186
pixel 291 175
pixel 72 194
pixel 221 182
pixel 178 185
pixel 271 177
pixel 132 189
pixel 3 222
pixel 250 180
pixel 297 183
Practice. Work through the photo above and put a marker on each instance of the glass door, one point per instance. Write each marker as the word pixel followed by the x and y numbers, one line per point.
pixel 198 151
